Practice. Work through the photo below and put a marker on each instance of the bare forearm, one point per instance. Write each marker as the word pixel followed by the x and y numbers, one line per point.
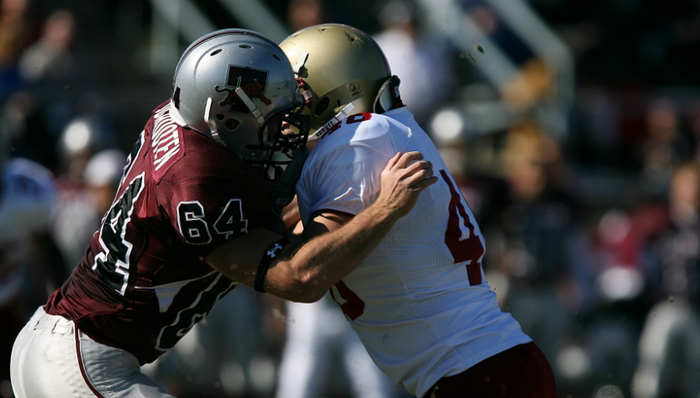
pixel 305 272
pixel 326 259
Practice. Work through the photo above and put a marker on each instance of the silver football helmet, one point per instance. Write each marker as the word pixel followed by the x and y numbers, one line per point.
pixel 237 86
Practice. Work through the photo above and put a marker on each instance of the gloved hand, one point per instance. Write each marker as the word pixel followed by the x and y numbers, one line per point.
pixel 283 188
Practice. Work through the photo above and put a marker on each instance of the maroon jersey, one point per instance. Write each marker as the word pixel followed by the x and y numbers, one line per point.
pixel 143 282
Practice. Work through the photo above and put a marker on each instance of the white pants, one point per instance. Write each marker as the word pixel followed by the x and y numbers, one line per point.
pixel 52 359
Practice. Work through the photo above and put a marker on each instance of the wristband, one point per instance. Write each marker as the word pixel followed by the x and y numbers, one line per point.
pixel 270 254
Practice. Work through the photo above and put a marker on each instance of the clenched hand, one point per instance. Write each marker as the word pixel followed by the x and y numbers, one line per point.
pixel 403 179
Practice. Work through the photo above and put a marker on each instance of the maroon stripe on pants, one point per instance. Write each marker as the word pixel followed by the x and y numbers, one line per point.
pixel 82 365
pixel 519 372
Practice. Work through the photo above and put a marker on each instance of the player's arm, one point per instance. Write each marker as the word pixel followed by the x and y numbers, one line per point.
pixel 304 272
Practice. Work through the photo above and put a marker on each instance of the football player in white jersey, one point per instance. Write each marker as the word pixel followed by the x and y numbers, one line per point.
pixel 420 301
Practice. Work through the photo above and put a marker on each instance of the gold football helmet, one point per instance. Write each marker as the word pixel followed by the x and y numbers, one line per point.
pixel 341 71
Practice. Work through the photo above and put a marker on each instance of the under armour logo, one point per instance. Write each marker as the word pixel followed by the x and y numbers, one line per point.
pixel 272 252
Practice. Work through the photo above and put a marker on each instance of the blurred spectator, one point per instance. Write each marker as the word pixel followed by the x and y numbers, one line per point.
pixel 693 123
pixel 664 145
pixel 304 13
pixel 647 43
pixel 493 26
pixel 532 84
pixel 423 64
pixel 602 350
pixel 30 264
pixel 50 56
pixel 88 170
pixel 62 82
pixel 533 240
pixel 15 35
pixel 669 347
pixel 24 122
pixel 102 174
pixel 595 140
pixel 80 140
pixel 321 351
pixel 81 206
pixel 37 115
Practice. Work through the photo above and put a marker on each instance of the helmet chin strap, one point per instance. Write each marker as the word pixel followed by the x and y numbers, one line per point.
pixel 339 117
pixel 210 123
pixel 246 100
pixel 251 106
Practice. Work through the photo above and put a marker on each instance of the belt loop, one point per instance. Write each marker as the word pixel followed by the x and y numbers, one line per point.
pixel 62 326
pixel 38 317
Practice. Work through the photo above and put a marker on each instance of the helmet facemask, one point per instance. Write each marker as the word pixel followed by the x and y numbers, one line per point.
pixel 279 137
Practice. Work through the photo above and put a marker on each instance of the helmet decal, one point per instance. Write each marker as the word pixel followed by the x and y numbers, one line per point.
pixel 251 81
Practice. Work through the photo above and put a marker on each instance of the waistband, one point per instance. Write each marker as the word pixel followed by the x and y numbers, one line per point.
pixel 54 324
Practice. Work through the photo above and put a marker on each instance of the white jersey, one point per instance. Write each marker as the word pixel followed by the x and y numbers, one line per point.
pixel 420 302
pixel 26 200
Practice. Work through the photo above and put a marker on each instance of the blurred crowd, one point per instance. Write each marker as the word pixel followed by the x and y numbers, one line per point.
pixel 593 236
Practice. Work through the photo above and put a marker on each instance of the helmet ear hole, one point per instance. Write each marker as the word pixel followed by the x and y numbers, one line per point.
pixel 321 106
pixel 231 124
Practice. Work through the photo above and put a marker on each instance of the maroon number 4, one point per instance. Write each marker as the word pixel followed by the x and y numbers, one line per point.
pixel 461 239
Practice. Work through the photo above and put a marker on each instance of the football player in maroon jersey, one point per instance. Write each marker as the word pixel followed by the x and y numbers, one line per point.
pixel 190 220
